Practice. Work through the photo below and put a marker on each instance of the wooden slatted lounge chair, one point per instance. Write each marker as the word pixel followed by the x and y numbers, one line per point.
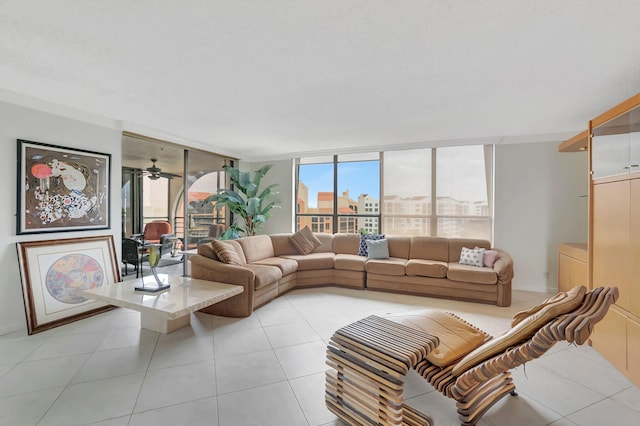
pixel 370 358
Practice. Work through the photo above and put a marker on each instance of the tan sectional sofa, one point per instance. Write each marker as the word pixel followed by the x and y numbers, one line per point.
pixel 270 265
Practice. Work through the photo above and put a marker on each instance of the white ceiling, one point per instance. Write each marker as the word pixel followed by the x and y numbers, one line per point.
pixel 268 79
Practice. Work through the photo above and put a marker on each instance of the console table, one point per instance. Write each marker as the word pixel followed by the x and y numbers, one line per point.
pixel 168 310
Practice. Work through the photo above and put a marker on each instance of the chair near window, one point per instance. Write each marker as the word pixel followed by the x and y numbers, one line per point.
pixel 154 230
pixel 132 254
pixel 159 232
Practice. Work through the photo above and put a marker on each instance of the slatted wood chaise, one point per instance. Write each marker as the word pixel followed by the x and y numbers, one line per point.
pixel 370 358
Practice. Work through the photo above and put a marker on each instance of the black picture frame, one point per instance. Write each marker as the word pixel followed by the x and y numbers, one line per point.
pixel 61 189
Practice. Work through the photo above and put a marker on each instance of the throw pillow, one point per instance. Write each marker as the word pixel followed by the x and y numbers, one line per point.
pixel 304 241
pixel 226 253
pixel 378 249
pixel 472 257
pixel 362 251
pixel 490 257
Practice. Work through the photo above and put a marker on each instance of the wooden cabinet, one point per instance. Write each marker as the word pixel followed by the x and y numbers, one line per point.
pixel 610 338
pixel 573 266
pixel 614 237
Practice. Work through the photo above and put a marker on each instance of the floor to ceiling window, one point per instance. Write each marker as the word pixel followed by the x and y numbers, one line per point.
pixel 339 194
pixel 445 192
pixel 149 194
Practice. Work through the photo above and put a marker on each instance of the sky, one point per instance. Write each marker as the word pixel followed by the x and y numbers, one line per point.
pixel 357 177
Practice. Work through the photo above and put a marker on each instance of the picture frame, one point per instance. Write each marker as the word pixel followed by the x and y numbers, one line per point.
pixel 54 273
pixel 61 189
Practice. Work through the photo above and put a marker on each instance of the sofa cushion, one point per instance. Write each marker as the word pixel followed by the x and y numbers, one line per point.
pixel 456 244
pixel 563 303
pixel 256 248
pixel 286 266
pixel 426 268
pixel 472 257
pixel 471 274
pixel 304 241
pixel 313 261
pixel 362 249
pixel 349 262
pixel 346 243
pixel 457 337
pixel 265 274
pixel 429 248
pixel 399 246
pixel 226 252
pixel 391 266
pixel 326 243
pixel 282 245
pixel 378 249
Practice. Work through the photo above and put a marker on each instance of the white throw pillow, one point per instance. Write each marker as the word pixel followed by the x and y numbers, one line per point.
pixel 472 257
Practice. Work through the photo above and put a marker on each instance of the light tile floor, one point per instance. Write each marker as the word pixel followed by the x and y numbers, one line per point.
pixel 268 369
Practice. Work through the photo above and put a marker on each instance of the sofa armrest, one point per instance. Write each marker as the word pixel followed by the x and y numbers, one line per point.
pixel 504 268
pixel 241 305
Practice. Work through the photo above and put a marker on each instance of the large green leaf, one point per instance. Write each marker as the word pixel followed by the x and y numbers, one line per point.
pixel 244 200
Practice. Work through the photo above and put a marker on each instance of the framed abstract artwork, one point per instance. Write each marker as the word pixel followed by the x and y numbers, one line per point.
pixel 61 189
pixel 55 272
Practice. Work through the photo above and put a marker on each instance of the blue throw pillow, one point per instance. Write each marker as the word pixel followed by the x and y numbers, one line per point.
pixel 378 249
pixel 362 251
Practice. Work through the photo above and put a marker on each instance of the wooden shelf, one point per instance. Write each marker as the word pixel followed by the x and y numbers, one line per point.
pixel 578 143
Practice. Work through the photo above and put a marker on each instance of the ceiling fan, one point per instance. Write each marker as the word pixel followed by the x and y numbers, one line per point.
pixel 154 172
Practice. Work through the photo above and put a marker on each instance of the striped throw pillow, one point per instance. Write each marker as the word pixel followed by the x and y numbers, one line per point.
pixel 226 253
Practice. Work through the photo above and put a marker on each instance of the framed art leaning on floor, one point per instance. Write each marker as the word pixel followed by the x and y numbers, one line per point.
pixel 55 272
pixel 61 189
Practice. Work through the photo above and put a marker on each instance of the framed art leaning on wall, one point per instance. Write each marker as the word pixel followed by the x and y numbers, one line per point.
pixel 61 189
pixel 54 274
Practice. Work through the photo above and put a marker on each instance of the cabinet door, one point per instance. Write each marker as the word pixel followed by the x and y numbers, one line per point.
pixel 634 152
pixel 633 350
pixel 564 272
pixel 610 338
pixel 634 248
pixel 611 260
pixel 610 155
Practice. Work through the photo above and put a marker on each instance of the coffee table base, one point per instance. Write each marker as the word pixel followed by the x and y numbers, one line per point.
pixel 154 322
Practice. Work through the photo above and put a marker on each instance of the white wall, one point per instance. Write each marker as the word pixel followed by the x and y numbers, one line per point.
pixel 283 174
pixel 20 122
pixel 539 203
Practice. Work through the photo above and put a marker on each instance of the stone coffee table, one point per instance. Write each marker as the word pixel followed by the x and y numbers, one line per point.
pixel 168 310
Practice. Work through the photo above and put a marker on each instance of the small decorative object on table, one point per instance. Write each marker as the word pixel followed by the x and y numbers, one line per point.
pixel 149 285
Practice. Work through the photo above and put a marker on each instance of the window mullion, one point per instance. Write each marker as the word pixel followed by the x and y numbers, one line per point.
pixel 434 199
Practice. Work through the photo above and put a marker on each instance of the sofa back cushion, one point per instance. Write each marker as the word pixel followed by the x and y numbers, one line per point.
pixel 399 246
pixel 282 245
pixel 257 247
pixel 429 248
pixel 326 243
pixel 206 250
pixel 456 244
pixel 346 243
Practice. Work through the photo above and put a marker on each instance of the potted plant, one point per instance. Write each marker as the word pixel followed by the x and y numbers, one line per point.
pixel 245 201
